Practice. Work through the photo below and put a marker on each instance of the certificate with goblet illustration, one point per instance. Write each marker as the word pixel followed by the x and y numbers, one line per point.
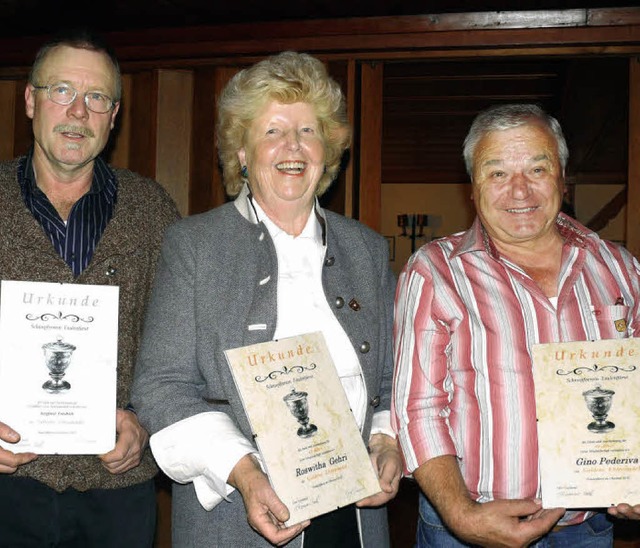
pixel 588 413
pixel 307 436
pixel 58 363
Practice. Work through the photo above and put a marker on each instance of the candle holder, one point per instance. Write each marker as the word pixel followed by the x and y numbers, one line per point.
pixel 412 226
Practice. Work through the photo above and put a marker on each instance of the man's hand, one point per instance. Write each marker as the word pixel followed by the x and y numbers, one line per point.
pixel 625 511
pixel 131 440
pixel 266 513
pixel 387 462
pixel 505 523
pixel 9 461
pixel 499 523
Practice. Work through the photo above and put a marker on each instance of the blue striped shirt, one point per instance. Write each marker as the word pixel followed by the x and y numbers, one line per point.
pixel 76 240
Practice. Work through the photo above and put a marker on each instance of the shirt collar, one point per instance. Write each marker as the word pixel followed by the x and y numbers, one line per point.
pixel 104 179
pixel 572 232
pixel 312 229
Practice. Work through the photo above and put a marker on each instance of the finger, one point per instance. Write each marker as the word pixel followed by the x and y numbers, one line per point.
pixel 113 456
pixel 373 500
pixel 120 450
pixel 523 508
pixel 8 434
pixel 625 511
pixel 283 536
pixel 10 462
pixel 277 508
pixel 542 523
pixel 391 483
pixel 120 466
pixel 273 530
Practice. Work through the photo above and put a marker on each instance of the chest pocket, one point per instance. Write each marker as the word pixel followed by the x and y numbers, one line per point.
pixel 612 321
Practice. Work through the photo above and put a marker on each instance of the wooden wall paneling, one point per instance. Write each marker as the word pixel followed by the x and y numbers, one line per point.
pixel 203 151
pixel 7 118
pixel 120 143
pixel 142 137
pixel 207 190
pixel 404 35
pixel 370 154
pixel 334 198
pixel 633 187
pixel 483 34
pixel 174 130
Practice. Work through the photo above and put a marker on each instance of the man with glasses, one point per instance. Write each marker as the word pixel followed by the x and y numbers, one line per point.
pixel 66 216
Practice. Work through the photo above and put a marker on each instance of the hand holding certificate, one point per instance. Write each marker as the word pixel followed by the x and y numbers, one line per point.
pixel 588 415
pixel 58 363
pixel 313 451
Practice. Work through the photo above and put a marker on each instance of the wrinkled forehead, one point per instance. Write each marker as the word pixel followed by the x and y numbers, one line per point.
pixel 527 143
pixel 77 65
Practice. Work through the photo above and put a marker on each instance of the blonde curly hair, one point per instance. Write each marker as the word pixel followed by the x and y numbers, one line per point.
pixel 288 77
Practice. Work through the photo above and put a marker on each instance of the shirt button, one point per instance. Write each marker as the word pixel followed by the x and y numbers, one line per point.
pixel 375 401
pixel 364 347
pixel 339 302
pixel 329 261
pixel 111 271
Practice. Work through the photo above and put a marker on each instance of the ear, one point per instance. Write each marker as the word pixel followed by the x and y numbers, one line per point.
pixel 114 112
pixel 242 157
pixel 29 100
pixel 341 134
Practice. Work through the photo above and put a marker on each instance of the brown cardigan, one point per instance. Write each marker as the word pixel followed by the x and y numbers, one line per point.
pixel 126 256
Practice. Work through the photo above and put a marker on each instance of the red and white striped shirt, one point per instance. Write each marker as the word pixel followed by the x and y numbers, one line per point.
pixel 466 319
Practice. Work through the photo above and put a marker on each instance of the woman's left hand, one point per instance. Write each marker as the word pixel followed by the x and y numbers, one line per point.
pixel 387 462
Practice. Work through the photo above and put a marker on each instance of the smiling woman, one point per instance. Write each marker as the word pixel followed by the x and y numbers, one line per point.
pixel 270 265
pixel 284 160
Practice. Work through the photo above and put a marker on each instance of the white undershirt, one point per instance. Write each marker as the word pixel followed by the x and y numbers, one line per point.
pixel 303 306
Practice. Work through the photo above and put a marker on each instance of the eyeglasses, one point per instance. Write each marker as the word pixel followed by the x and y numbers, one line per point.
pixel 64 94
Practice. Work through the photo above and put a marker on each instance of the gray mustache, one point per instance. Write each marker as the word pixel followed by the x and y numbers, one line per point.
pixel 66 128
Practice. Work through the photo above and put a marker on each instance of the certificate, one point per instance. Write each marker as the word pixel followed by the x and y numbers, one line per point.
pixel 58 366
pixel 588 414
pixel 307 436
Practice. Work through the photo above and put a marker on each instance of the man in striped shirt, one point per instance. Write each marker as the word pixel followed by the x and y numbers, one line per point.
pixel 468 309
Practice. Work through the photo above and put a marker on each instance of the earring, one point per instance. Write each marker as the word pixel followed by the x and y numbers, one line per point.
pixel 244 172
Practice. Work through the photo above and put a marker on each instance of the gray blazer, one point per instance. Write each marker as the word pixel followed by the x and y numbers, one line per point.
pixel 206 296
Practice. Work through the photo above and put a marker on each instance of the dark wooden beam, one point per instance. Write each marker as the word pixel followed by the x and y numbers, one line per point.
pixel 608 212
pixel 144 126
pixel 366 38
pixel 633 187
pixel 370 160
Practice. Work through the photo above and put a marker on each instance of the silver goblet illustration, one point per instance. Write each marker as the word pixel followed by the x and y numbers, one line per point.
pixel 57 357
pixel 599 403
pixel 299 406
